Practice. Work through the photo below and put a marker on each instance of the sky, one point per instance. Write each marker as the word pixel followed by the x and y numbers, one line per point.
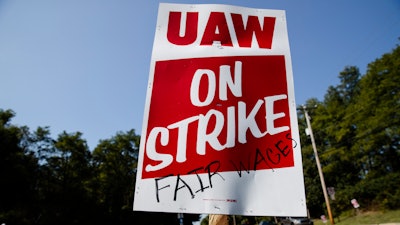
pixel 83 65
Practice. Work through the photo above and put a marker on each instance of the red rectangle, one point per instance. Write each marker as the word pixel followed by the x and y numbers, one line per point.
pixel 234 124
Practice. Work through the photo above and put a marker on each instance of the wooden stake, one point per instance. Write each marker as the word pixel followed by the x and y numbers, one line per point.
pixel 217 219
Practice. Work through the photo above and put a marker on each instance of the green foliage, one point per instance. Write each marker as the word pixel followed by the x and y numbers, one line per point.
pixel 115 162
pixel 357 131
pixel 18 168
pixel 61 181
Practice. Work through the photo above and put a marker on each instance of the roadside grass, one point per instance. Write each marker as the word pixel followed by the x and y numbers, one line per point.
pixel 364 218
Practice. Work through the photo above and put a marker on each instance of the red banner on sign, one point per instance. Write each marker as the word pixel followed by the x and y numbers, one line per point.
pixel 235 126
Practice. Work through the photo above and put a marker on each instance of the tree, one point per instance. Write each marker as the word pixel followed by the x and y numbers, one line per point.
pixel 378 116
pixel 18 167
pixel 65 177
pixel 115 162
pixel 334 129
pixel 356 128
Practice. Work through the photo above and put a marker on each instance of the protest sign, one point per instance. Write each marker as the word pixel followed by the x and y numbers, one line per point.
pixel 220 132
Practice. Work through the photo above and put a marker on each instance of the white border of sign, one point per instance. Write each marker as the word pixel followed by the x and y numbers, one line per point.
pixel 277 192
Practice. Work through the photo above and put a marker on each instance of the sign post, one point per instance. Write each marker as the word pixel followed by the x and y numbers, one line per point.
pixel 220 132
pixel 321 174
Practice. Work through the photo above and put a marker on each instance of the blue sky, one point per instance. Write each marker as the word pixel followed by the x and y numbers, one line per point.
pixel 82 65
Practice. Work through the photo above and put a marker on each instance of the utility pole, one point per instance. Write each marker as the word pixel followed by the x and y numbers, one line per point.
pixel 321 175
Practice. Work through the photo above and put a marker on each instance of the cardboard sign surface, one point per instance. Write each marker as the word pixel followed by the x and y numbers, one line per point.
pixel 220 131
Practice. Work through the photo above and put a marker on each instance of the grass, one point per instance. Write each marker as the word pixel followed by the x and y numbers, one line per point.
pixel 363 218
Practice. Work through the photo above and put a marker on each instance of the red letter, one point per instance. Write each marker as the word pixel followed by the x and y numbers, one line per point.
pixel 245 34
pixel 216 30
pixel 174 27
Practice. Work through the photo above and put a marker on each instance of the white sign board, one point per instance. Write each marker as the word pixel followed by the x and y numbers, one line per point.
pixel 220 132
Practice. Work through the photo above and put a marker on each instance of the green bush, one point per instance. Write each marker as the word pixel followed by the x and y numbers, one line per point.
pixel 380 193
